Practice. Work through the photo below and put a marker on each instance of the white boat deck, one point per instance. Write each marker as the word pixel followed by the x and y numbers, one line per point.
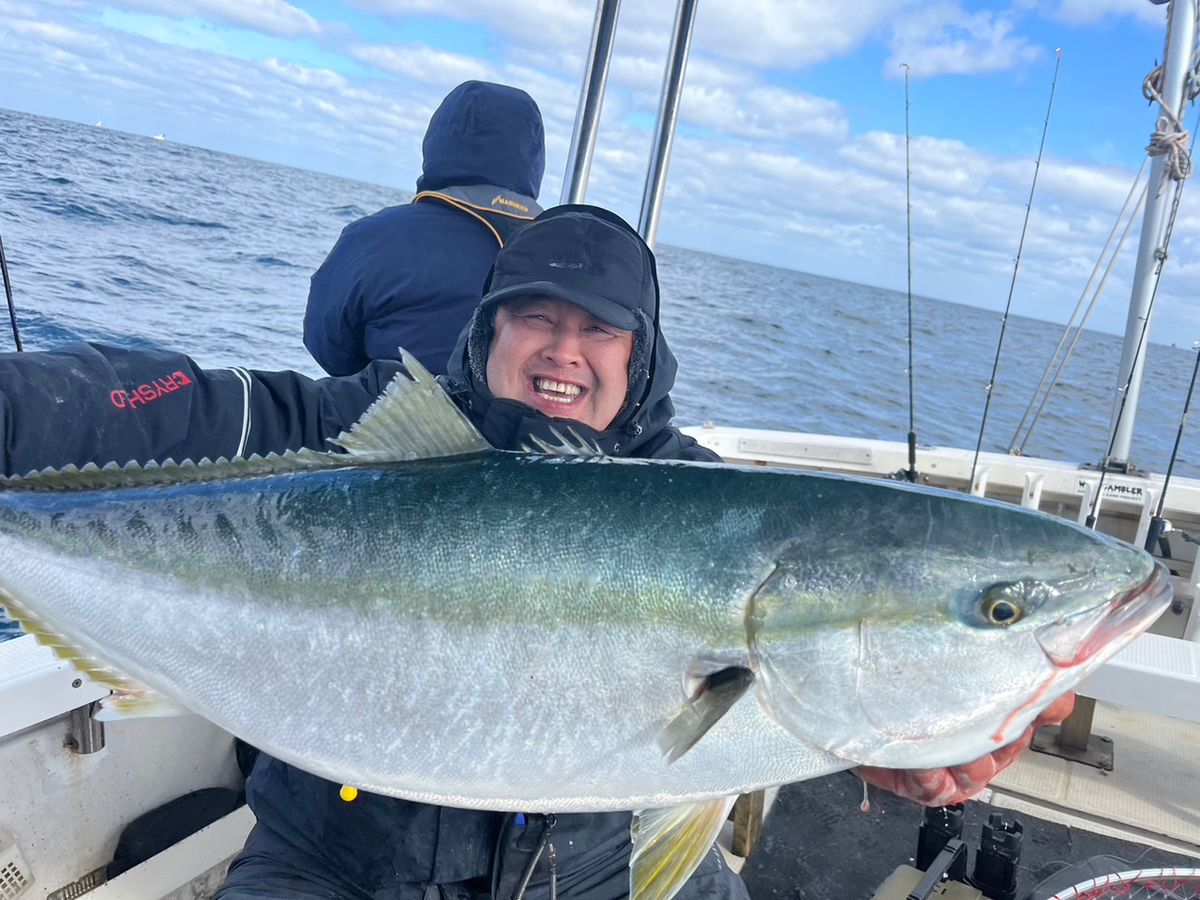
pixel 1152 795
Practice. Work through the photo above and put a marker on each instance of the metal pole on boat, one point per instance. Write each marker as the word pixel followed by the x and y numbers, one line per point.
pixel 591 98
pixel 1181 33
pixel 668 113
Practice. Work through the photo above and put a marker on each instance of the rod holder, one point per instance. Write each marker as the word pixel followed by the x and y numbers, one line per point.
pixel 999 855
pixel 85 734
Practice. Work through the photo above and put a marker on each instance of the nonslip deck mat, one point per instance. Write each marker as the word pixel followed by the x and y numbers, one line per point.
pixel 1154 786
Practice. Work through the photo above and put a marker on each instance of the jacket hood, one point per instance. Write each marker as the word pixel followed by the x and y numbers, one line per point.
pixel 484 133
pixel 648 410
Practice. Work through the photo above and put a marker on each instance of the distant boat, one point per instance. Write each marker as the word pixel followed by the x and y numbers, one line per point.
pixel 159 137
pixel 99 124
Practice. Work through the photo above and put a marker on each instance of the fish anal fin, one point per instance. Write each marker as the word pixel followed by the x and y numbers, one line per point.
pixel 718 692
pixel 137 703
pixel 65 649
pixel 412 419
pixel 668 845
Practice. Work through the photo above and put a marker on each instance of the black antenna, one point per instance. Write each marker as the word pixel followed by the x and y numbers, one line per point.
pixel 911 474
pixel 1016 267
pixel 12 310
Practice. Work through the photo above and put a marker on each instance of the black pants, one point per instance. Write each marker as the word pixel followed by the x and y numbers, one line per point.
pixel 308 843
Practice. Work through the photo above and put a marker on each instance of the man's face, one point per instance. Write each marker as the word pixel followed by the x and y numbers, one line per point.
pixel 562 361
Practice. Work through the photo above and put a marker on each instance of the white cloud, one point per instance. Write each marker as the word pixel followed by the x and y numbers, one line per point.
pixel 536 22
pixel 1087 12
pixel 1087 186
pixel 641 74
pixel 420 63
pixel 764 113
pixel 942 39
pixel 776 33
pixel 11 10
pixel 789 35
pixel 274 17
pixel 59 35
pixel 938 164
pixel 301 76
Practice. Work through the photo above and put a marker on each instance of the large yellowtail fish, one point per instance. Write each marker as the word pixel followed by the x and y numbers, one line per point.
pixel 426 617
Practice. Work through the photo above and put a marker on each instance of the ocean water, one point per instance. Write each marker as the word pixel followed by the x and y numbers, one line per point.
pixel 123 239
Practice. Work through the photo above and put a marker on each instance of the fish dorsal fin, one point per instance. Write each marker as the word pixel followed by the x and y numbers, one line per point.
pixel 412 419
pixel 668 845
pixel 574 445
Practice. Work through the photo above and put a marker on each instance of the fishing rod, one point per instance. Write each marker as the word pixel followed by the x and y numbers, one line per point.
pixel 1037 166
pixel 911 473
pixel 1158 525
pixel 12 310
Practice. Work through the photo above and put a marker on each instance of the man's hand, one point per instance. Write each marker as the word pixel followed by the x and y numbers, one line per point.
pixel 945 787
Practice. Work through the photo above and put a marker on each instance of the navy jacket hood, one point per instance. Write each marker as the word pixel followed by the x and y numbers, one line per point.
pixel 485 133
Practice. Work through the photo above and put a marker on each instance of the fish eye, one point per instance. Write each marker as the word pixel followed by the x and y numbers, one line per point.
pixel 1000 605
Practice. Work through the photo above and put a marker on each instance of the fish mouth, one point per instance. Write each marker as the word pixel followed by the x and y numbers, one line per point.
pixel 1084 636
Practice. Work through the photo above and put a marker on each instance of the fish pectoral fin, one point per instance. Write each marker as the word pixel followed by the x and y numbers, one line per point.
pixel 716 696
pixel 668 845
pixel 138 703
pixel 412 419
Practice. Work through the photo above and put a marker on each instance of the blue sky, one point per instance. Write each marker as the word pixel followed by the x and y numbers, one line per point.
pixel 791 142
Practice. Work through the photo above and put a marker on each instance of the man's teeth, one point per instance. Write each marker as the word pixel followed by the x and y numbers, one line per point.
pixel 558 391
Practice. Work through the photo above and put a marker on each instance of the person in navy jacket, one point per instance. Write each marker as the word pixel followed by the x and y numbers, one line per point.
pixel 411 276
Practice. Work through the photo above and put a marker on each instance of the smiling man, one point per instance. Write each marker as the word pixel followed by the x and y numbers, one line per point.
pixel 568 329
pixel 559 359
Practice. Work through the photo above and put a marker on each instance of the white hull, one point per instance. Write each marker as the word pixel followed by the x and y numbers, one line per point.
pixel 65 810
